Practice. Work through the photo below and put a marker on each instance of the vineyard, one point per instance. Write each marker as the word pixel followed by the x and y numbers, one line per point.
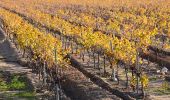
pixel 92 49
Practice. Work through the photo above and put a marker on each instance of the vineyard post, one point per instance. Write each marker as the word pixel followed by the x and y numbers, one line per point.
pixel 72 51
pixel 69 42
pixel 83 54
pixel 156 51
pixel 23 54
pixel 88 51
pixel 57 88
pixel 117 72
pixel 57 94
pixel 163 42
pixel 113 69
pixel 98 60
pixel 94 58
pixel 55 54
pixel 44 71
pixel 137 66
pixel 80 49
pixel 39 72
pixel 104 61
pixel 142 85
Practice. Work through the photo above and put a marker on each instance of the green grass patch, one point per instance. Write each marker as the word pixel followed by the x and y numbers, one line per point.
pixel 27 94
pixel 16 82
pixel 3 86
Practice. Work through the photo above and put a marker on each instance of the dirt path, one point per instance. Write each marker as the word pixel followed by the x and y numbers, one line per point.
pixel 10 72
pixel 13 76
pixel 17 82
